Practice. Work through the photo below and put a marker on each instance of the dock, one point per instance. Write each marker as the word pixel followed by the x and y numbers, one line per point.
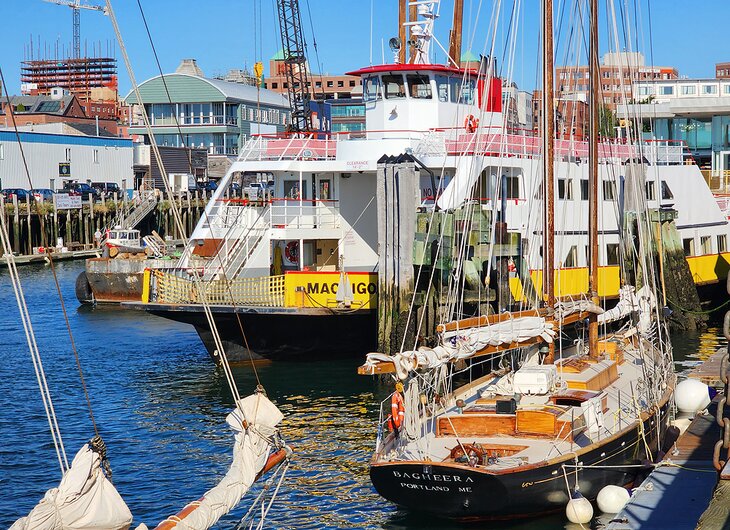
pixel 31 259
pixel 678 492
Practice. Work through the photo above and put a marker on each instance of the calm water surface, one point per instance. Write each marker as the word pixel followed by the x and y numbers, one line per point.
pixel 161 406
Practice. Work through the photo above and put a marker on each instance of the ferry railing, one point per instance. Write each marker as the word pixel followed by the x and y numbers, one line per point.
pixel 169 288
pixel 311 213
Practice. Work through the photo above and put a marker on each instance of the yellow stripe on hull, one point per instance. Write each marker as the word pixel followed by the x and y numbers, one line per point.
pixel 707 269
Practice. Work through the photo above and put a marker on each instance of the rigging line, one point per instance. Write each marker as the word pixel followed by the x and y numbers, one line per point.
pixel 316 51
pixel 33 347
pixel 73 344
pixel 176 214
pixel 205 211
pixel 23 307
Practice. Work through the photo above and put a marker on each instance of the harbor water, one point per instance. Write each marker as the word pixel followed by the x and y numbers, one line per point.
pixel 160 405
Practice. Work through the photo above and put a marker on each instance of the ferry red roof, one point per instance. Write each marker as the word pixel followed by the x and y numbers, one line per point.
pixel 411 68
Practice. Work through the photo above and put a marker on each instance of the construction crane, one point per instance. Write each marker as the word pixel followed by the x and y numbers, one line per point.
pixel 293 47
pixel 77 6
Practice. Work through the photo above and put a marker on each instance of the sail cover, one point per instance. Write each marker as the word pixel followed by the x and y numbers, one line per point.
pixel 84 500
pixel 252 444
pixel 465 343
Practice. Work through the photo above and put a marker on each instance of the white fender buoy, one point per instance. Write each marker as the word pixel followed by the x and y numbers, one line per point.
pixel 692 396
pixel 579 509
pixel 612 499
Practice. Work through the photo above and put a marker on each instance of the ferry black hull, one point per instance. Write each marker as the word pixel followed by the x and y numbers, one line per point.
pixel 465 494
pixel 290 335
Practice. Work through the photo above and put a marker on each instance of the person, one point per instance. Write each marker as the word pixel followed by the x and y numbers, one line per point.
pixel 97 237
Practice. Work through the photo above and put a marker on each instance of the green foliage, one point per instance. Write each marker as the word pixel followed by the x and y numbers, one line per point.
pixel 607 122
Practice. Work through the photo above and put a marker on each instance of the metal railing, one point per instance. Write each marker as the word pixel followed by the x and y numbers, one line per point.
pixel 262 147
pixel 173 289
pixel 295 213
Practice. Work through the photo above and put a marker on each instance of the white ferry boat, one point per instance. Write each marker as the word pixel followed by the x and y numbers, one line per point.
pixel 296 271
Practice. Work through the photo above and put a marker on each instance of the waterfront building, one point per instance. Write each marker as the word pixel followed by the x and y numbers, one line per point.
pixel 58 107
pixel 323 86
pixel 722 71
pixel 517 104
pixel 571 116
pixel 53 158
pixel 692 111
pixel 619 71
pixel 212 114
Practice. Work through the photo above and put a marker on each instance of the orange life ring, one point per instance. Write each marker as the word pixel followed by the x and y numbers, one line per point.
pixel 292 251
pixel 397 411
pixel 471 123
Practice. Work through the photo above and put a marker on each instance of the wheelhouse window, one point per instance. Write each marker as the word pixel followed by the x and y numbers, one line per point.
pixel 650 195
pixel 609 190
pixel 372 88
pixel 565 189
pixel 419 86
pixel 394 87
pixel 442 88
pixel 584 189
pixel 612 254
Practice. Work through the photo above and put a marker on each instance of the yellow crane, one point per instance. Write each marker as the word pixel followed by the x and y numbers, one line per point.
pixel 77 6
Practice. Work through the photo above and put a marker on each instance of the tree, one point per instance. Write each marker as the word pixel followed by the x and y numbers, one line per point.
pixel 607 122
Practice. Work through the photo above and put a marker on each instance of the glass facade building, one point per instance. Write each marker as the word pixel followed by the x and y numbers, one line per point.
pixel 210 113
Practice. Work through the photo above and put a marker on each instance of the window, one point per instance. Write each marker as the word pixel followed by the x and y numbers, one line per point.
pixel 706 245
pixel 571 260
pixel 419 86
pixel 318 84
pixel 96 156
pixel 666 90
pixel 650 195
pixel 565 189
pixel 689 246
pixel 513 187
pixel 394 86
pixel 609 190
pixel 688 90
pixel 666 192
pixel 274 85
pixel 442 88
pixel 2 151
pixel 709 89
pixel 726 89
pixel 340 84
pixel 372 88
pixel 612 254
pixel 643 90
pixel 352 83
pixel 722 243
pixel 68 154
pixel 584 190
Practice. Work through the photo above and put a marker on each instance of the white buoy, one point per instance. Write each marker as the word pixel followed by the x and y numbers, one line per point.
pixel 579 509
pixel 612 499
pixel 692 396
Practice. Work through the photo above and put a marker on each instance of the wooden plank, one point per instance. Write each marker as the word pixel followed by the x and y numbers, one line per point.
pixel 709 371
pixel 476 425
pixel 542 422
pixel 483 320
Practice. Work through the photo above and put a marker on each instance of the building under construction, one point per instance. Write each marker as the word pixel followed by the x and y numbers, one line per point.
pixel 78 76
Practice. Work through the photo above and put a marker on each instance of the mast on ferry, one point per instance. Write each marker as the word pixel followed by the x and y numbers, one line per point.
pixel 593 101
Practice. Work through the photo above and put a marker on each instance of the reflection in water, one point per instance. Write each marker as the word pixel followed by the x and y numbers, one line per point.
pixel 161 407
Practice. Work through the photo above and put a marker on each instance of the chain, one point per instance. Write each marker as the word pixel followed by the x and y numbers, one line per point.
pixel 722 421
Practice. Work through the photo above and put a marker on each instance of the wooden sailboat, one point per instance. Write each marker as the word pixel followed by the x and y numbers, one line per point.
pixel 549 420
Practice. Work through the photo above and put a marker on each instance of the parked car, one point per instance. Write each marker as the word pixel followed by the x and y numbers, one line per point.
pixel 211 185
pixel 20 193
pixel 81 188
pixel 42 194
pixel 106 188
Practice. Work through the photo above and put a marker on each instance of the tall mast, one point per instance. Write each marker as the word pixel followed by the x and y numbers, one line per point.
pixel 402 10
pixel 456 29
pixel 594 79
pixel 548 138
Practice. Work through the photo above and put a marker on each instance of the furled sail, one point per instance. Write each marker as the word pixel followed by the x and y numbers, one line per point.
pixel 84 500
pixel 254 421
pixel 465 343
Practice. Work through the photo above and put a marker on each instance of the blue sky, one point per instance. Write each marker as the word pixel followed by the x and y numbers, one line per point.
pixel 221 34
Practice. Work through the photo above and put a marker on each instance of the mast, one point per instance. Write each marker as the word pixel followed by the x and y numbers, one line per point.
pixel 456 29
pixel 594 80
pixel 548 138
pixel 402 30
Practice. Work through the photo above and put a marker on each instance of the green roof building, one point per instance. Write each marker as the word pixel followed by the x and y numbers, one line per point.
pixel 217 115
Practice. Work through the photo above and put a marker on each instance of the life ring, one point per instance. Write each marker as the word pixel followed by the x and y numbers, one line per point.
pixel 397 411
pixel 41 250
pixel 471 123
pixel 291 251
pixel 470 451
